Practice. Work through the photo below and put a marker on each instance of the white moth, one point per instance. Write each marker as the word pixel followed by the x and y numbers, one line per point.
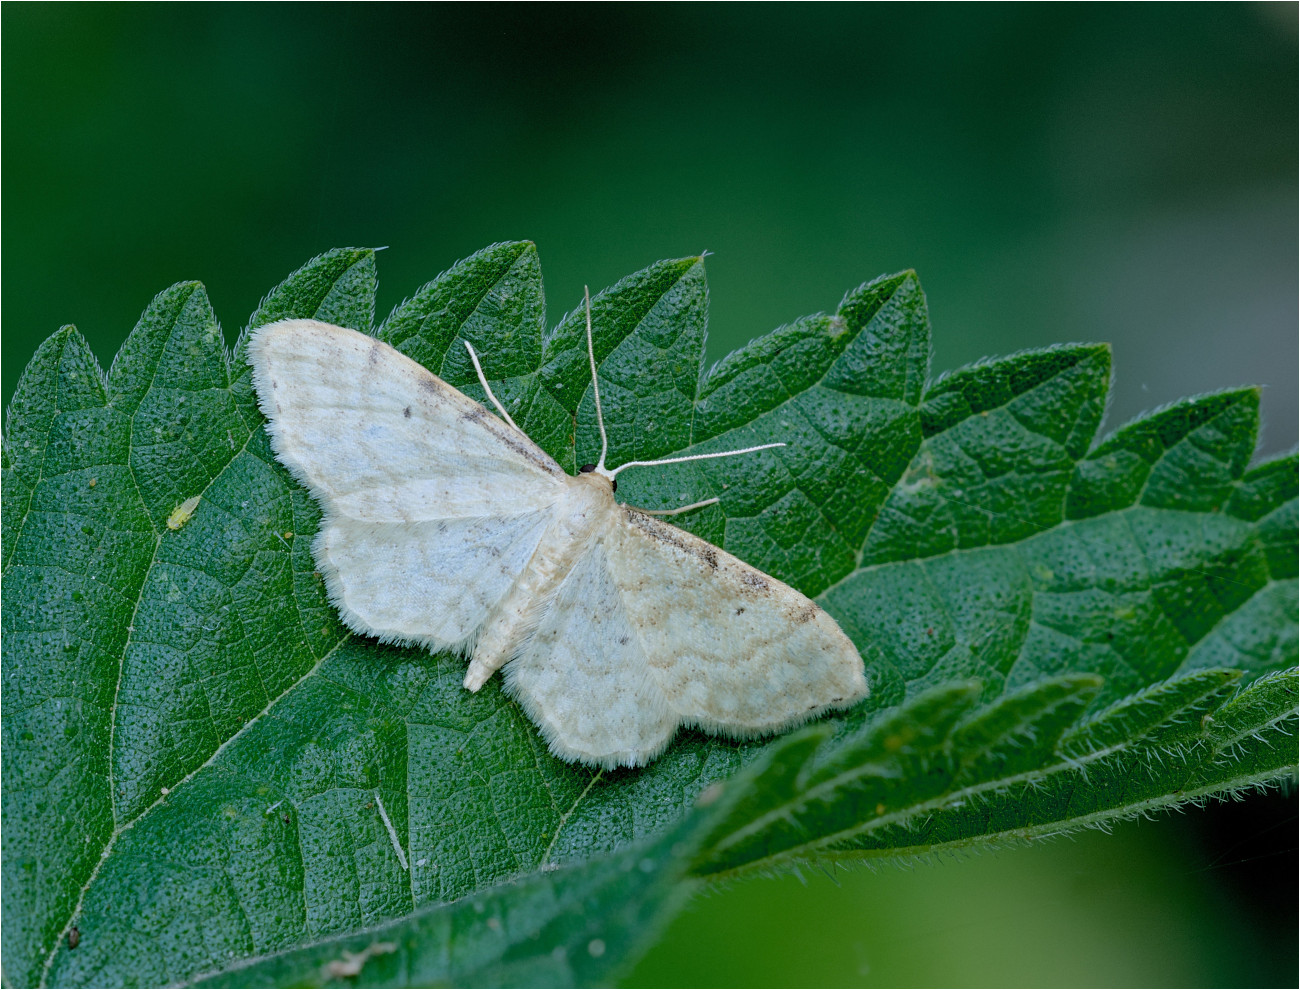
pixel 447 527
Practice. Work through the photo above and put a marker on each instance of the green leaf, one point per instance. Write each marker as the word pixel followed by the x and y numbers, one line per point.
pixel 203 767
pixel 570 927
pixel 938 774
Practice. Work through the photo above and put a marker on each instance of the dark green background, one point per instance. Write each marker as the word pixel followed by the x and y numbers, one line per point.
pixel 1121 173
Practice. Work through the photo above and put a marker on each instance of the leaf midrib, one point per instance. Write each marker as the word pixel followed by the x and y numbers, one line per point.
pixel 118 831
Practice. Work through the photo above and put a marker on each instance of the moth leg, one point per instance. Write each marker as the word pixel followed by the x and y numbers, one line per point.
pixel 685 508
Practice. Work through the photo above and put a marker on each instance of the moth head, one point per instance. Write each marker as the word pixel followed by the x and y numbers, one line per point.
pixel 588 468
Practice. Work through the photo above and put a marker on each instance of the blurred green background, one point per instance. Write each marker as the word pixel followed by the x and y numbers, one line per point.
pixel 1121 173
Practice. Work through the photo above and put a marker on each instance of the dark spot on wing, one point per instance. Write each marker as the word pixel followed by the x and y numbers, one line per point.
pixel 474 414
pixel 510 437
pixel 622 641
pixel 805 613
pixel 740 611
pixel 524 450
pixel 752 578
pixel 375 353
pixel 407 412
pixel 674 537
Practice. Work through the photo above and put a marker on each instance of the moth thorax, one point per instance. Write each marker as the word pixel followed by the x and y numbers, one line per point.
pixel 586 501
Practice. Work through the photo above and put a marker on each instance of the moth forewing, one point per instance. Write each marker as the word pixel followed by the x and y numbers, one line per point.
pixel 430 505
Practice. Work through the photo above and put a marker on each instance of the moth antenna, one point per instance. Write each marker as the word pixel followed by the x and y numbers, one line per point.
pixel 595 387
pixel 684 508
pixel 694 457
pixel 482 380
